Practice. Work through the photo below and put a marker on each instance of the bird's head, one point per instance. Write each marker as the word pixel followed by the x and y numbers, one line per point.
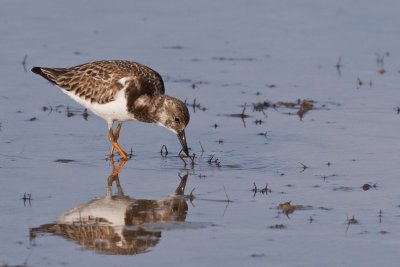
pixel 174 116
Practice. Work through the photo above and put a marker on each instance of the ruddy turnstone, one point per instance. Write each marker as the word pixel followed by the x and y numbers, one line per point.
pixel 118 90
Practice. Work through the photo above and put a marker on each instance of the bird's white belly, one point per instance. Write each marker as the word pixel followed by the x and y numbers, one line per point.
pixel 114 110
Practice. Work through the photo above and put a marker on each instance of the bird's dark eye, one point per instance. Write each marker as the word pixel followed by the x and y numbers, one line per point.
pixel 176 119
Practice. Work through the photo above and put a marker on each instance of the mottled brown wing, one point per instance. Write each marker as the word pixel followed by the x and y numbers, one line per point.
pixel 99 81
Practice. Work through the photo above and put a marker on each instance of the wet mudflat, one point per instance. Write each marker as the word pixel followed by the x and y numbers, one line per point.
pixel 294 123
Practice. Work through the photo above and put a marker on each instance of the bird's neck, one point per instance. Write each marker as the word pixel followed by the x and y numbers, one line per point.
pixel 146 108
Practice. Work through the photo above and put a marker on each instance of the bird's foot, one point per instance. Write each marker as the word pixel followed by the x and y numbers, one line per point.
pixel 122 153
pixel 182 154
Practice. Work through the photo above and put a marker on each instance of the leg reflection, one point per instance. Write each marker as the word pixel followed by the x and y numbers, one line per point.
pixel 114 177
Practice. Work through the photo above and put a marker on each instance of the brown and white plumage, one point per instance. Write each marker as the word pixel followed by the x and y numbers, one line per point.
pixel 120 91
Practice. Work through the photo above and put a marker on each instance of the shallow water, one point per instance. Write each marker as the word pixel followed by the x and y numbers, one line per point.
pixel 220 57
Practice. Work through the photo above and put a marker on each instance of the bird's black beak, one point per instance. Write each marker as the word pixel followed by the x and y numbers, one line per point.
pixel 182 139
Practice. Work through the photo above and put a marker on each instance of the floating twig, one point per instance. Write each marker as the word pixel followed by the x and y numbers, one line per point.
pixel 215 161
pixel 195 105
pixel 130 154
pixel 241 115
pixel 264 134
pixel 27 198
pixel 24 63
pixel 202 149
pixel 64 160
pixel 305 106
pixel 339 65
pixel 379 59
pixel 359 83
pixel 191 196
pixel 351 220
pixel 261 106
pixel 69 113
pixel 85 114
pixel 380 215
pixel 277 226
pixel 227 197
pixel 164 151
pixel 286 208
pixel 303 168
pixel 263 191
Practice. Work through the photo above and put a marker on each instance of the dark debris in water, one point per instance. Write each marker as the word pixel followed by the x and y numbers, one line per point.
pixel 301 105
pixel 351 221
pixel 278 226
pixel 255 255
pixel 79 53
pixel 343 188
pixel 195 105
pixel 241 115
pixel 174 47
pixel 164 151
pixel 265 190
pixel 265 134
pixel 381 71
pixel 32 119
pixel 328 176
pixel 380 215
pixel 24 63
pixel 261 106
pixel 233 58
pixel 64 160
pixel 338 66
pixel 69 112
pixel 367 187
pixel 287 208
pixel 27 198
pixel 195 85
pixel 212 160
pixel 324 208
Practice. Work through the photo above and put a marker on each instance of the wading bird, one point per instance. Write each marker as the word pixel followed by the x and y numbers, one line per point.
pixel 118 90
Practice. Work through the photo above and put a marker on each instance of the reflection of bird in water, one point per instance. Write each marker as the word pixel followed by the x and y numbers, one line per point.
pixel 119 224
pixel 120 91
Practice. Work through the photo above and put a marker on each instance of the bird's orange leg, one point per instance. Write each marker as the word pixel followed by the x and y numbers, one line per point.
pixel 116 136
pixel 117 130
pixel 114 143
